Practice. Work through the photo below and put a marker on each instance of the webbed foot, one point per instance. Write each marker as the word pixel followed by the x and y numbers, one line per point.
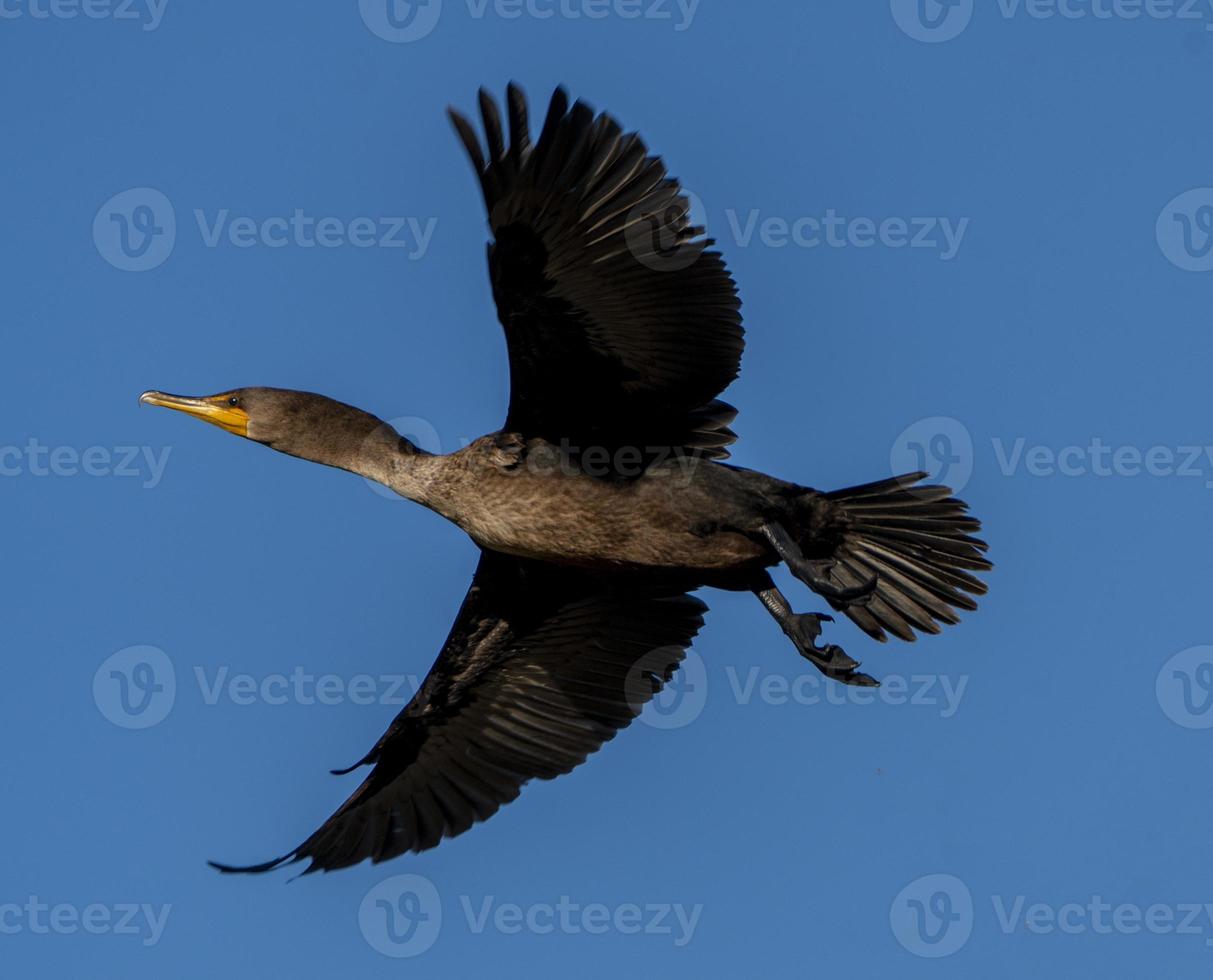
pixel 832 660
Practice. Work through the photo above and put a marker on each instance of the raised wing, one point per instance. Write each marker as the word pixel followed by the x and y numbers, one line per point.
pixel 621 325
pixel 541 667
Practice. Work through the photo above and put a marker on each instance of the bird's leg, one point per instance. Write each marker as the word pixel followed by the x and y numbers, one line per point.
pixel 815 574
pixel 803 629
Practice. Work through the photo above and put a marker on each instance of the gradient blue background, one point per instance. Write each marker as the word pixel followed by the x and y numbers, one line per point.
pixel 795 826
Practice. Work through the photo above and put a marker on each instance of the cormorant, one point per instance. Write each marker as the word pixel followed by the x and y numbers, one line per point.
pixel 603 501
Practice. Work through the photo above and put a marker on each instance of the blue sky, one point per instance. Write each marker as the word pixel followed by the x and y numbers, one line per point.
pixel 976 236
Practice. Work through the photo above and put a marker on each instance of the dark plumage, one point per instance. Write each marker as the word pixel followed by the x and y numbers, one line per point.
pixel 621 325
pixel 602 502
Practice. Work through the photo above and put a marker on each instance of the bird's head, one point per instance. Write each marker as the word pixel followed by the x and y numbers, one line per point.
pixel 298 423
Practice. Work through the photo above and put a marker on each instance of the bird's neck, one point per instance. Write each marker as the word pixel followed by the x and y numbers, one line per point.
pixel 358 442
pixel 388 458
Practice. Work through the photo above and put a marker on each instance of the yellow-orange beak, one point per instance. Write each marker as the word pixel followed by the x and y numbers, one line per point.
pixel 214 409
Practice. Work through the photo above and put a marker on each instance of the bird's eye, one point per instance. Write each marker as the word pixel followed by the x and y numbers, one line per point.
pixel 233 401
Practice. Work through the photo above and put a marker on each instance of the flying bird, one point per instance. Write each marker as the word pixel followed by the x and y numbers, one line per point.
pixel 604 500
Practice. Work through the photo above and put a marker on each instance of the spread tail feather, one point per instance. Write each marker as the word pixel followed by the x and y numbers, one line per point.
pixel 917 540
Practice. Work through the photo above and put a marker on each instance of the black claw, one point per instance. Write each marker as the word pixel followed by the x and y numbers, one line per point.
pixel 838 658
pixel 806 627
pixel 831 659
pixel 856 679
